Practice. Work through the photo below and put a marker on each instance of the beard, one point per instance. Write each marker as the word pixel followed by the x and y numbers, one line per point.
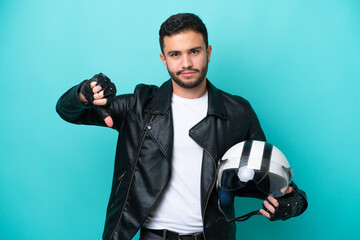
pixel 189 84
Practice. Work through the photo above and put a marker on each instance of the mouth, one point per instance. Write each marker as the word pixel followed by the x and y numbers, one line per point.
pixel 188 73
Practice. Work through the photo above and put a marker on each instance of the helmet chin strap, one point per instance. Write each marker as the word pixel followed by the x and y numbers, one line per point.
pixel 227 199
pixel 246 216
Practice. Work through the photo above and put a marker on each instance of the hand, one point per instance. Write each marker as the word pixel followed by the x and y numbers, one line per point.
pixel 274 204
pixel 99 91
pixel 98 94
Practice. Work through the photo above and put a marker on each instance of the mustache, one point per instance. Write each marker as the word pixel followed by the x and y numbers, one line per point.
pixel 186 70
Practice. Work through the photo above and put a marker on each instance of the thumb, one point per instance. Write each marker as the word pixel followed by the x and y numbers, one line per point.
pixel 102 111
pixel 109 122
pixel 289 190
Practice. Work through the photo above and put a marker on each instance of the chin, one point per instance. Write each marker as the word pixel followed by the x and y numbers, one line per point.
pixel 188 84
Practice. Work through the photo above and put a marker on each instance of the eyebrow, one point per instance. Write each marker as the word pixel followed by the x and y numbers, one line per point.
pixel 191 49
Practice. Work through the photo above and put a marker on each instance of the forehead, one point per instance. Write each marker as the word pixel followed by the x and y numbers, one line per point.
pixel 183 41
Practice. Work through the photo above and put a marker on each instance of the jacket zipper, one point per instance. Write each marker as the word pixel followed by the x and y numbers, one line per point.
pixel 212 186
pixel 132 176
pixel 117 189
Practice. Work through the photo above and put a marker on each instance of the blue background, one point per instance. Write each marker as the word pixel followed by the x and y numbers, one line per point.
pixel 297 62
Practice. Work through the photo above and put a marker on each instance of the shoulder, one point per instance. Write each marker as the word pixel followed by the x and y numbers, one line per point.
pixel 234 103
pixel 143 94
pixel 225 97
pixel 145 89
pixel 236 99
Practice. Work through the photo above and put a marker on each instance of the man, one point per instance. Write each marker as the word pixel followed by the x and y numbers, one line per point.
pixel 170 140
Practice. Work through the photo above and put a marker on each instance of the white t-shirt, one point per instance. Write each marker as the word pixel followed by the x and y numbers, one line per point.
pixel 180 208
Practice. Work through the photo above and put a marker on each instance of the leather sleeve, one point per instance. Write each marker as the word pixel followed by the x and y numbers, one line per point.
pixel 255 131
pixel 72 110
pixel 303 203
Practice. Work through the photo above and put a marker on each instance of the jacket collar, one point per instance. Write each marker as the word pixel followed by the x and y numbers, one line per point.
pixel 161 102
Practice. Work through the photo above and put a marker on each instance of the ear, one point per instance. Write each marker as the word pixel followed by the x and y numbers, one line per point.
pixel 163 59
pixel 208 51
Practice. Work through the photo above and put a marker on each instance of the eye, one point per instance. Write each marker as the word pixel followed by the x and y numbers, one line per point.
pixel 194 51
pixel 174 55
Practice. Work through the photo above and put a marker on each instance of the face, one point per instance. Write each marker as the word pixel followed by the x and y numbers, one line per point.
pixel 186 58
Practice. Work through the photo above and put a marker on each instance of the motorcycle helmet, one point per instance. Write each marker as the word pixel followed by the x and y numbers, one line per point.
pixel 251 169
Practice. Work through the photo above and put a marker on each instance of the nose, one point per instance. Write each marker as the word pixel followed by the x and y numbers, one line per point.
pixel 186 61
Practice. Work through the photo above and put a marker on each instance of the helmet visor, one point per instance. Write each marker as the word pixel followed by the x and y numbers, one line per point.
pixel 273 181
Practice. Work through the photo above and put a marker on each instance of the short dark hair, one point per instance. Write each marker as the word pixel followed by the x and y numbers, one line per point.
pixel 182 22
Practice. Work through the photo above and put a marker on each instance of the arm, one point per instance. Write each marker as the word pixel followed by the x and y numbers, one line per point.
pixel 294 202
pixel 91 103
pixel 255 131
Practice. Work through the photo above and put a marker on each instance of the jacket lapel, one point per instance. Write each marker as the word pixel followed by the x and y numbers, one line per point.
pixel 161 102
pixel 205 132
pixel 161 130
pixel 161 127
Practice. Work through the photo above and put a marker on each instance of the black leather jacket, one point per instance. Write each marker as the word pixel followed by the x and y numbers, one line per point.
pixel 143 155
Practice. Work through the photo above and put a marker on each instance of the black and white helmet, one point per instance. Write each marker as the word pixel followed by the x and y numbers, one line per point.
pixel 253 169
pixel 256 161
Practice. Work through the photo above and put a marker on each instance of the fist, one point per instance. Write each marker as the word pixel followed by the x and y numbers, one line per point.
pixel 276 209
pixel 99 90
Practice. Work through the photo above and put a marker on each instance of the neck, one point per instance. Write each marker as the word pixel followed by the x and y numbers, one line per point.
pixel 192 93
